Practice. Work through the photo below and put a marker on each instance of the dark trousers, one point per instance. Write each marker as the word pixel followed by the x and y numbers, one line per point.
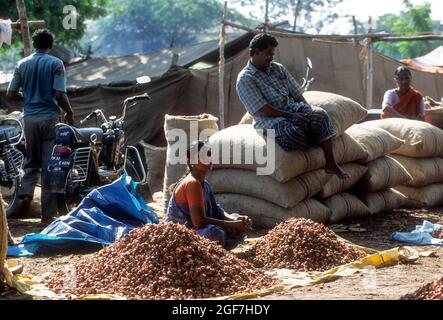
pixel 40 137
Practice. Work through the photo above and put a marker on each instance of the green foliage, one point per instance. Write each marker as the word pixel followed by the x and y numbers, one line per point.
pixel 144 26
pixel 414 20
pixel 52 12
pixel 308 14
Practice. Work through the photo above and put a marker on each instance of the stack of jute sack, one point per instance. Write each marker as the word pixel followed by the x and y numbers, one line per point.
pixel 254 176
pixel 373 191
pixel 421 156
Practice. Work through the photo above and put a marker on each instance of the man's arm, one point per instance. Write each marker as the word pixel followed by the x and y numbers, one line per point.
pixel 14 86
pixel 59 87
pixel 269 111
pixel 63 102
pixel 14 95
pixel 295 89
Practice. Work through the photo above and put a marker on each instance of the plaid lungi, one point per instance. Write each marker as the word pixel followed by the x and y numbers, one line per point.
pixel 301 134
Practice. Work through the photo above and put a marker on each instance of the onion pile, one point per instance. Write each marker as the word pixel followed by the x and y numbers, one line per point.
pixel 162 261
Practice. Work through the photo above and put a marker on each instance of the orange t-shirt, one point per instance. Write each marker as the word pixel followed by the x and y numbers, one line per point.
pixel 190 192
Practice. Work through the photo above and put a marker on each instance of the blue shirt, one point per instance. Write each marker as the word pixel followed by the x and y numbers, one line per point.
pixel 38 76
pixel 276 87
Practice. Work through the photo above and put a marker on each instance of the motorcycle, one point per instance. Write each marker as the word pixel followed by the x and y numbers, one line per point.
pixel 307 83
pixel 11 161
pixel 86 158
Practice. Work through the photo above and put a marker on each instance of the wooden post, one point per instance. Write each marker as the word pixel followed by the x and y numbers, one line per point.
pixel 296 11
pixel 354 21
pixel 221 70
pixel 31 24
pixel 21 8
pixel 369 69
pixel 267 16
pixel 3 237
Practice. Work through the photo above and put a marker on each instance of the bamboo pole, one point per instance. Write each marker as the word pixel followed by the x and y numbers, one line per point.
pixel 221 69
pixel 370 69
pixel 21 8
pixel 337 37
pixel 3 237
pixel 267 16
pixel 31 24
pixel 410 38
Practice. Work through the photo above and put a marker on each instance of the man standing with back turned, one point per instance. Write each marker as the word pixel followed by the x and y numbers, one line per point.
pixel 43 82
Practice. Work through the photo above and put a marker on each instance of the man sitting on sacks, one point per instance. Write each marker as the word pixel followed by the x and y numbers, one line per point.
pixel 275 100
pixel 403 101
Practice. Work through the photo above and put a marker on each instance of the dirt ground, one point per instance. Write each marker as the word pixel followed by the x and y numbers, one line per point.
pixel 374 231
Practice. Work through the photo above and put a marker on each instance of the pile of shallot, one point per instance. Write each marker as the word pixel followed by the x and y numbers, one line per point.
pixel 162 261
pixel 431 291
pixel 301 245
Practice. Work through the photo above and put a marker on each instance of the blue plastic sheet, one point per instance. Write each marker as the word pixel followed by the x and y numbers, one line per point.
pixel 421 235
pixel 104 216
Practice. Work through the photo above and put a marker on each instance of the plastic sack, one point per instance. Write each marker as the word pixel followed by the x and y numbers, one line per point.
pixel 421 235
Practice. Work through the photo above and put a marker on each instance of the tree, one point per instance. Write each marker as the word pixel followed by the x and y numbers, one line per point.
pixel 412 21
pixel 52 13
pixel 145 26
pixel 314 14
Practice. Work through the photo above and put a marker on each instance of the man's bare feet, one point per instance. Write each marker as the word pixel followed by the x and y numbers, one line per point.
pixel 337 170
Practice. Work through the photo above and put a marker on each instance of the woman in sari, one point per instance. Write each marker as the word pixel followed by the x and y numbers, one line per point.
pixel 193 203
pixel 404 101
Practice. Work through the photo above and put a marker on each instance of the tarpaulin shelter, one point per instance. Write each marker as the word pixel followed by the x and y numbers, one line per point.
pixel 431 62
pixel 105 82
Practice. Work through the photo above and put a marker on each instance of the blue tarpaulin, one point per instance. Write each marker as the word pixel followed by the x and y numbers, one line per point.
pixel 104 216
pixel 422 235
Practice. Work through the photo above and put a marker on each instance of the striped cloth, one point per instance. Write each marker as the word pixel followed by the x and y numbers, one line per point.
pixel 301 134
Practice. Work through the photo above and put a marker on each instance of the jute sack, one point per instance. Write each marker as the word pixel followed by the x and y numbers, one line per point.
pixel 343 111
pixel 434 116
pixel 377 142
pixel 424 171
pixel 247 119
pixel 422 140
pixel 205 123
pixel 3 237
pixel 336 185
pixel 383 173
pixel 344 206
pixel 156 161
pixel 241 147
pixel 383 201
pixel 266 215
pixel 285 195
pixel 427 197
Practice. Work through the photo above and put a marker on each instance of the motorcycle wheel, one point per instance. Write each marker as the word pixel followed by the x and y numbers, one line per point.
pixel 62 204
pixel 68 200
pixel 132 171
pixel 9 196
